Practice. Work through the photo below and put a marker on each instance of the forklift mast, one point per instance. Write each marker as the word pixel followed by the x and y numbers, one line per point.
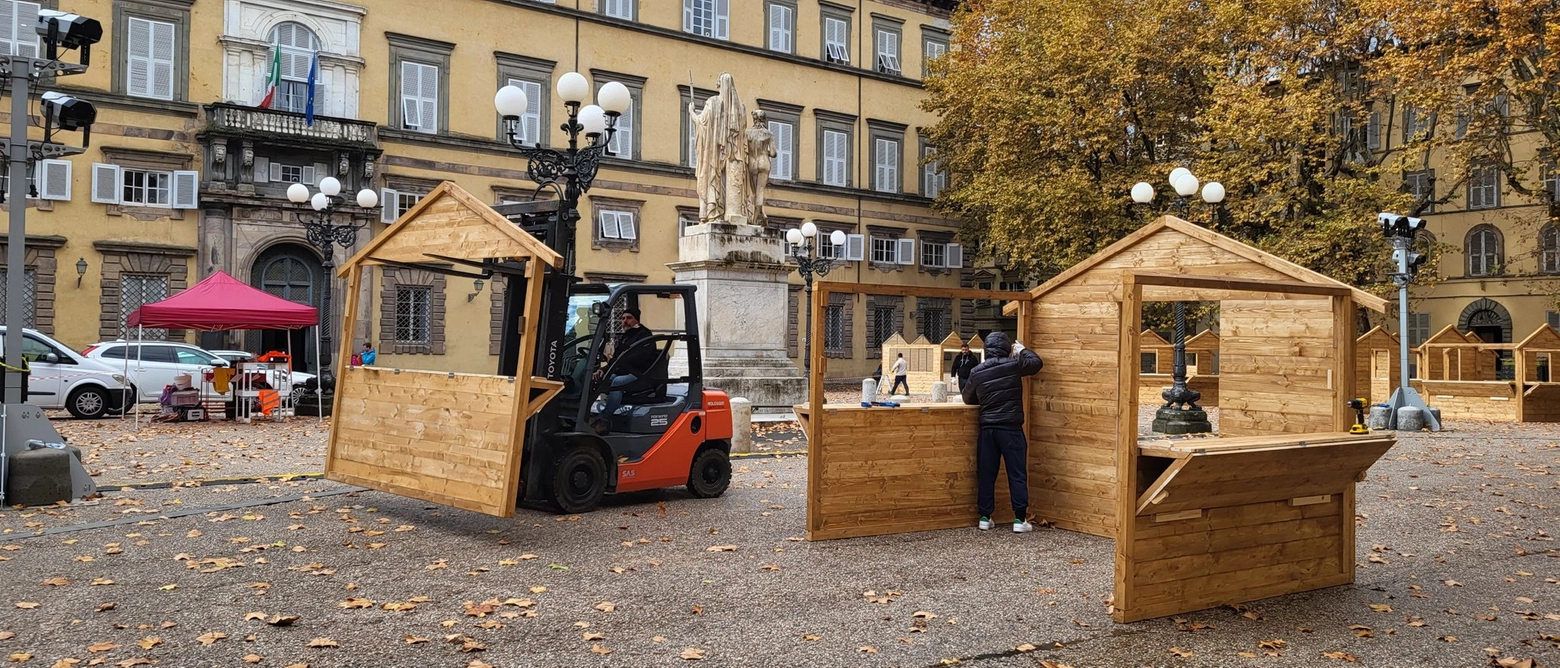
pixel 540 219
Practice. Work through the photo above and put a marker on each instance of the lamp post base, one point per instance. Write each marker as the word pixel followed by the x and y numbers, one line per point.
pixel 1171 420
pixel 314 405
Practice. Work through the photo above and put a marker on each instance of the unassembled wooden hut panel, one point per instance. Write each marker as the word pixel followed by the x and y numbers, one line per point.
pixel 924 481
pixel 434 436
pixel 1278 367
pixel 1490 400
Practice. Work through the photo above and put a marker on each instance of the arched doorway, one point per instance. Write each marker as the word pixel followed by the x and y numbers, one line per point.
pixel 1492 323
pixel 292 272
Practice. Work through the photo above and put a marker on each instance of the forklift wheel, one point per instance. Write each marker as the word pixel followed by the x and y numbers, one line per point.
pixel 579 479
pixel 710 474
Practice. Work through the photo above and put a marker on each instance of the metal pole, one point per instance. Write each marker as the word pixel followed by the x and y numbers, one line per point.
pixel 807 345
pixel 325 321
pixel 16 239
pixel 1402 246
pixel 1178 368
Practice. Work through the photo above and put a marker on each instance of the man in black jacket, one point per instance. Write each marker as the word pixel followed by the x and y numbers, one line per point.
pixel 997 386
pixel 633 371
pixel 963 364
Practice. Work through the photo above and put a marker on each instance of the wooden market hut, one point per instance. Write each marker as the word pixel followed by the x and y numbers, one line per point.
pixel 924 362
pixel 1263 509
pixel 450 438
pixel 1457 374
pixel 1377 365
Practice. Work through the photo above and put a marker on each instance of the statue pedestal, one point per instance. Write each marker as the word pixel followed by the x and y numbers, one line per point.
pixel 742 298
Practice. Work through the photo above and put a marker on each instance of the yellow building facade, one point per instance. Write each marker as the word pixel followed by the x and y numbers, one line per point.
pixel 1500 273
pixel 187 173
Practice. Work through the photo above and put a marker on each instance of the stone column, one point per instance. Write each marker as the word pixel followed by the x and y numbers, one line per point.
pixel 741 298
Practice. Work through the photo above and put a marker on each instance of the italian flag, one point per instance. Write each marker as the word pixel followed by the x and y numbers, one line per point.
pixel 274 79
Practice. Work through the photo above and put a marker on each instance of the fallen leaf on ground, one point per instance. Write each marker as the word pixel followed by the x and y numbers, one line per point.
pixel 56 582
pixel 1026 647
pixel 692 654
pixel 1381 607
pixel 210 637
pixel 1341 656
pixel 28 605
pixel 323 642
pixel 20 657
pixel 1185 654
pixel 149 642
pixel 355 602
pixel 251 616
pixel 606 606
pixel 598 649
pixel 282 620
pixel 101 647
pixel 253 658
pixel 7 635
pixel 721 548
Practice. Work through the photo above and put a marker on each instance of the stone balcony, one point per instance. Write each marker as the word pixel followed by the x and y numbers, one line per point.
pixel 286 127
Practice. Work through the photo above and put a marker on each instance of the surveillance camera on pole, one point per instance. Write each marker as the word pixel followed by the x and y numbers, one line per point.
pixel 29 426
pixel 68 31
pixel 1403 230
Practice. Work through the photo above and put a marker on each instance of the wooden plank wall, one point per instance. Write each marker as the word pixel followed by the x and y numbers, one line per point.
pixel 897 470
pixel 1542 403
pixel 1278 367
pixel 1490 400
pixel 434 436
pixel 1235 554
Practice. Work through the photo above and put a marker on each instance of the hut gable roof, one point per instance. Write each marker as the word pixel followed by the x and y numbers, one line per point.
pixel 1448 334
pixel 451 222
pixel 1151 339
pixel 1170 244
pixel 1378 337
pixel 1543 337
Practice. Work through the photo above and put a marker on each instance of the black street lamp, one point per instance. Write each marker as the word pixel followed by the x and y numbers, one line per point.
pixel 325 234
pixel 574 167
pixel 1180 414
pixel 809 264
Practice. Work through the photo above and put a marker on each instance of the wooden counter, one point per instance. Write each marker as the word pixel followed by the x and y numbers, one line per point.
pixel 893 470
pixel 1229 520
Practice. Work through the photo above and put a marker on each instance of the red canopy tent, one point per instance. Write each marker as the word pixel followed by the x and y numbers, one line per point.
pixel 222 302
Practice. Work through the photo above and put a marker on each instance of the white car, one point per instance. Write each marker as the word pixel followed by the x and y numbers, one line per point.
pixel 60 378
pixel 154 364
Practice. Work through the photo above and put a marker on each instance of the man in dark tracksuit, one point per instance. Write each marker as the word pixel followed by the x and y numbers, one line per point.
pixel 996 385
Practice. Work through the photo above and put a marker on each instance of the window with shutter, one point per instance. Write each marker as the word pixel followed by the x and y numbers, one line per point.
pixel 419 97
pixel 888 52
pixel 782 27
pixel 618 9
pixel 622 144
pixel 29 296
pixel 784 165
pixel 886 165
pixel 54 180
pixel 1484 187
pixel 186 189
pixel 18 28
pixel 138 58
pixel 885 250
pixel 855 247
pixel 609 225
pixel 530 129
pixel 835 157
pixel 1373 131
pixel 708 18
pixel 836 39
pixel 933 179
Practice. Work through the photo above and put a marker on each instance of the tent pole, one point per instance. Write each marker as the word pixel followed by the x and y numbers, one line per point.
pixel 135 394
pixel 289 376
pixel 319 380
pixel 140 336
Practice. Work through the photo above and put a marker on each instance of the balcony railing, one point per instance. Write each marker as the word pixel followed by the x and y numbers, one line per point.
pixel 239 120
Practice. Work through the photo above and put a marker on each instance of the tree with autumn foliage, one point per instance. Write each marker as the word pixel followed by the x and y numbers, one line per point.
pixel 1050 111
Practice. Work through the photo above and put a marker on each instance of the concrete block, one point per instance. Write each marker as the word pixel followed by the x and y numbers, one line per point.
pixel 741 425
pixel 939 392
pixel 869 390
pixel 1435 413
pixel 1410 419
pixel 1378 417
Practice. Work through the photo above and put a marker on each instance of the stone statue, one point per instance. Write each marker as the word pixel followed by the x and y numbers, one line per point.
pixel 760 153
pixel 718 148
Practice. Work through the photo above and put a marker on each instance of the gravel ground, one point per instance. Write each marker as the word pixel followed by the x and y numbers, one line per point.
pixel 117 453
pixel 1455 535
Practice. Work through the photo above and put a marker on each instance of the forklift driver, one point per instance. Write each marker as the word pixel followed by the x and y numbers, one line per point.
pixel 632 373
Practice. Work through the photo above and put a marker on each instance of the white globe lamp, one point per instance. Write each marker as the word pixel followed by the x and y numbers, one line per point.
pixel 838 237
pixel 793 236
pixel 614 98
pixel 1142 193
pixel 298 193
pixel 511 102
pixel 319 201
pixel 573 88
pixel 330 186
pixel 367 198
pixel 594 119
pixel 1213 192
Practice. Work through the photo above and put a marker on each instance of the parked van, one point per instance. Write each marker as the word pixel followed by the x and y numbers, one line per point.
pixel 61 378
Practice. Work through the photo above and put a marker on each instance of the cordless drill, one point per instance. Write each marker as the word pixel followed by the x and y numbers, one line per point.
pixel 1359 417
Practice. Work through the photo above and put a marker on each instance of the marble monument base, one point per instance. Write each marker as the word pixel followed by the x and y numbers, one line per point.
pixel 741 297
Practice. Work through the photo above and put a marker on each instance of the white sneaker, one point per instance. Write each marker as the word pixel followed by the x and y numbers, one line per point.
pixel 986 524
pixel 1022 526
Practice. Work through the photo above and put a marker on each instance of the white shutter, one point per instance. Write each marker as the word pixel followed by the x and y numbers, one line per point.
pixel 54 180
pixel 906 251
pixel 387 200
pixel 162 54
pixel 310 172
pixel 779 29
pixel 784 161
pixel 855 247
pixel 411 89
pixel 105 183
pixel 530 130
pixel 266 171
pixel 626 226
pixel 18 28
pixel 722 19
pixel 688 15
pixel 430 98
pixel 622 144
pixel 138 58
pixel 186 189
pixel 607 221
pixel 1373 131
pixel 955 257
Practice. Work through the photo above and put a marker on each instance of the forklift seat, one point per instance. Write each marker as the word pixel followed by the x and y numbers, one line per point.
pixel 652 388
